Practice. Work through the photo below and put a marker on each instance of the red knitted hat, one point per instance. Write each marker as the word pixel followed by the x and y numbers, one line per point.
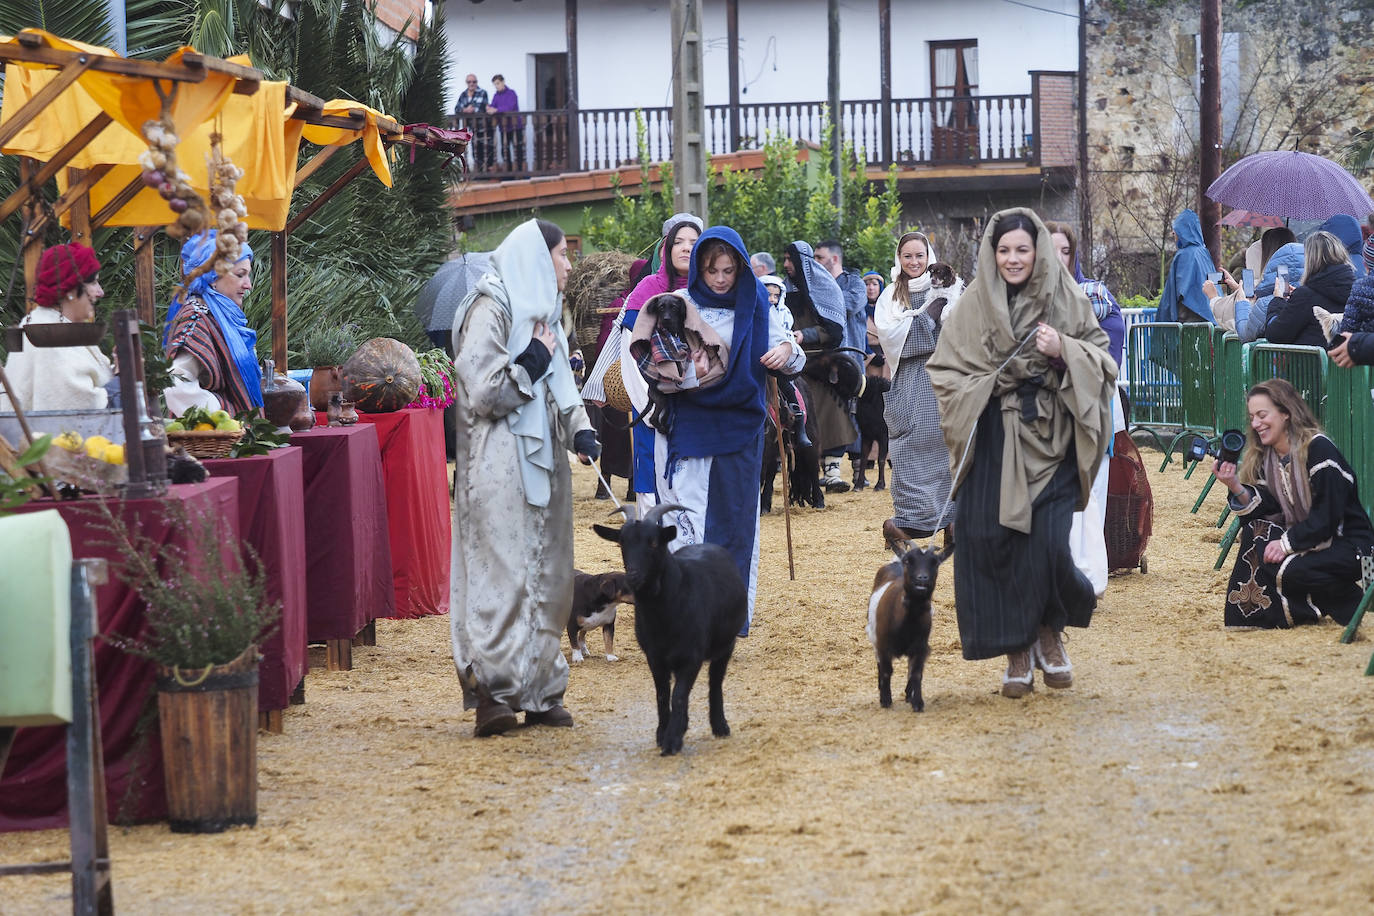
pixel 62 269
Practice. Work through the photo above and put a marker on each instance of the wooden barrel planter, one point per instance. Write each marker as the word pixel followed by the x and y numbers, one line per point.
pixel 209 723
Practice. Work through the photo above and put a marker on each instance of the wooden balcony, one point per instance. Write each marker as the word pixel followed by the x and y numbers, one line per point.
pixel 968 131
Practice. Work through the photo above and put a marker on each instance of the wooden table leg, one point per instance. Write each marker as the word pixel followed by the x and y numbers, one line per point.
pixel 367 636
pixel 270 721
pixel 339 654
pixel 6 739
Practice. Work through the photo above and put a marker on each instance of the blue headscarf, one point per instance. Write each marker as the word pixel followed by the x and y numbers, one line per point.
pixel 1347 229
pixel 233 323
pixel 728 416
pixel 1187 272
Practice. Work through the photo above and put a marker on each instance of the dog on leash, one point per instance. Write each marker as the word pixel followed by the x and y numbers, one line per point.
pixel 595 600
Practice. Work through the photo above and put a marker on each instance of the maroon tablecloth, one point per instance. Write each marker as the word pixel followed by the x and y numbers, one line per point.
pixel 33 787
pixel 347 551
pixel 416 472
pixel 272 522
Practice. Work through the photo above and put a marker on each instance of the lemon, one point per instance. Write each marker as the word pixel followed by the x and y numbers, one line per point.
pixel 229 425
pixel 176 426
pixel 71 441
pixel 112 454
pixel 201 427
pixel 95 445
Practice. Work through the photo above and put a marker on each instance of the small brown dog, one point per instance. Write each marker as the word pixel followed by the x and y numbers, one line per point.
pixel 945 289
pixel 595 599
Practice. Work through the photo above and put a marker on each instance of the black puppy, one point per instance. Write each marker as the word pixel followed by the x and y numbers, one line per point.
pixel 670 312
pixel 595 599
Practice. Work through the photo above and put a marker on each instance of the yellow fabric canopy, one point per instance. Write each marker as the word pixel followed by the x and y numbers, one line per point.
pixel 370 134
pixel 260 136
pixel 129 100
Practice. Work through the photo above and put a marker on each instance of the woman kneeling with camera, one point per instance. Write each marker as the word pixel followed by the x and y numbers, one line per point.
pixel 1303 528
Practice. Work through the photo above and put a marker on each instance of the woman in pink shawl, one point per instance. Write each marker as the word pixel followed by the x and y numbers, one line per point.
pixel 680 233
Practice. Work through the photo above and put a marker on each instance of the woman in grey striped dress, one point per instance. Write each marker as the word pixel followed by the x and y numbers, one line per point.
pixel 908 333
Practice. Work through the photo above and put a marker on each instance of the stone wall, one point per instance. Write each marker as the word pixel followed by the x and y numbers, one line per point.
pixel 1295 74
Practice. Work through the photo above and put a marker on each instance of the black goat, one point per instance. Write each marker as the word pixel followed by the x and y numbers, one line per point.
pixel 899 619
pixel 689 608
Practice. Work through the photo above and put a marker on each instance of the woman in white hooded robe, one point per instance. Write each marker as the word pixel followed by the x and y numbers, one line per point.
pixel 518 413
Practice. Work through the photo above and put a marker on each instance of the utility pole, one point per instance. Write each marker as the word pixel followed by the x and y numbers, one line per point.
pixel 1209 124
pixel 689 110
pixel 832 92
pixel 1085 209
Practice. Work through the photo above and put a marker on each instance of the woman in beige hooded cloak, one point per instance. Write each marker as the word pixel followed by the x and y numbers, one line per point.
pixel 1023 373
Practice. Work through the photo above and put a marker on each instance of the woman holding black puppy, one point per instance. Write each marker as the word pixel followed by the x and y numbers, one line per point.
pixel 709 459
pixel 1303 529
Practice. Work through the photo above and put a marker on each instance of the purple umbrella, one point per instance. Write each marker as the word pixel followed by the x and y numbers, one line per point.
pixel 1245 218
pixel 1291 184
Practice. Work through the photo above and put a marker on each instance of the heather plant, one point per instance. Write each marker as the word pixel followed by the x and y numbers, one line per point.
pixel 203 607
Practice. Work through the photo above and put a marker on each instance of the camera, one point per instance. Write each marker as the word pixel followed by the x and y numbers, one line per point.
pixel 1227 449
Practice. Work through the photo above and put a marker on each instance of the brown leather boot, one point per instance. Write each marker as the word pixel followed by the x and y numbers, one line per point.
pixel 558 717
pixel 1019 678
pixel 493 718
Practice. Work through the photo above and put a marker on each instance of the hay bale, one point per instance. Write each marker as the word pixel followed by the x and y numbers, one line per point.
pixel 594 282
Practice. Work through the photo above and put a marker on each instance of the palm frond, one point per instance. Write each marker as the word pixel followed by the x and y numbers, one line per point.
pixel 79 20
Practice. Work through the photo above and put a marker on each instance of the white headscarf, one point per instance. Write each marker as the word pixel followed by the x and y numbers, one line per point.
pixel 892 313
pixel 522 282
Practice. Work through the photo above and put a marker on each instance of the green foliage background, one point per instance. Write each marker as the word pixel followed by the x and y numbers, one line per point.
pixel 363 257
pixel 786 200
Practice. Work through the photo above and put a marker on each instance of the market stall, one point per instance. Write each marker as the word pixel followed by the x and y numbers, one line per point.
pixel 272 522
pixel 110 130
pixel 348 576
pixel 33 790
pixel 416 475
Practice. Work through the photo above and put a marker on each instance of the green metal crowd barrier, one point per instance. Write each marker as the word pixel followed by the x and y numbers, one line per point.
pixel 1152 368
pixel 1304 367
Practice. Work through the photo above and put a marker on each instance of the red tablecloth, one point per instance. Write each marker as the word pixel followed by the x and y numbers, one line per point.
pixel 33 787
pixel 347 551
pixel 272 522
pixel 417 505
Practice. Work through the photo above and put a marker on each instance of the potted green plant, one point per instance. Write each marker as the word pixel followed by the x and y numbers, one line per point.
pixel 206 612
pixel 325 349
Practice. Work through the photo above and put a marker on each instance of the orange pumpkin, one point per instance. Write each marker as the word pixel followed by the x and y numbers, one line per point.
pixel 381 376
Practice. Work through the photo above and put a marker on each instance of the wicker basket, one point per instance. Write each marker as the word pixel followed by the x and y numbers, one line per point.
pixel 616 395
pixel 594 282
pixel 205 443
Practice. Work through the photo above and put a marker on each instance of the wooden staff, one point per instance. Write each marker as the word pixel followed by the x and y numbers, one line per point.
pixel 782 461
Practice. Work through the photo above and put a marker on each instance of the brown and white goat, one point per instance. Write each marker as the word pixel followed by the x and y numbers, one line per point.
pixel 899 619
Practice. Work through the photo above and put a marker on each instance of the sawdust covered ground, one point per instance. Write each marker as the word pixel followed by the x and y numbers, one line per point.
pixel 1188 769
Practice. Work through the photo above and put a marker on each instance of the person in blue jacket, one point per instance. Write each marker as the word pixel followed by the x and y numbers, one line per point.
pixel 1183 298
pixel 1347 229
pixel 1250 321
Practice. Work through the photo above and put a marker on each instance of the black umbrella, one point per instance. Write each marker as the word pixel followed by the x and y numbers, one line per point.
pixel 439 297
